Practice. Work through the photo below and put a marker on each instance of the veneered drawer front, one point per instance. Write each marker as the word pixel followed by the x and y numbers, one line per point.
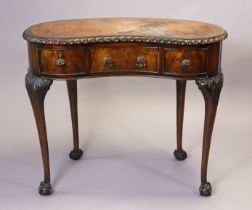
pixel 109 59
pixel 185 61
pixel 64 61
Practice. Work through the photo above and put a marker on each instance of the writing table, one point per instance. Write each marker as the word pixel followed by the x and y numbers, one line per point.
pixel 87 48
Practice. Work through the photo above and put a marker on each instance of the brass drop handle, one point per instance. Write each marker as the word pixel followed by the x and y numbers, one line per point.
pixel 141 62
pixel 60 60
pixel 107 61
pixel 186 62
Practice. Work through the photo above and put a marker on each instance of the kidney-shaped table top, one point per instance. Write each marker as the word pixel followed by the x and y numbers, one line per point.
pixel 125 29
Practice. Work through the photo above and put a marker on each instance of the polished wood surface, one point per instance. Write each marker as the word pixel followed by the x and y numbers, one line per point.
pixel 74 58
pixel 124 58
pixel 37 89
pixel 184 62
pixel 76 153
pixel 179 153
pixel 87 48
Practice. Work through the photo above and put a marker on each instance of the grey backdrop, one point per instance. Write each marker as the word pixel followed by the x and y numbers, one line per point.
pixel 127 125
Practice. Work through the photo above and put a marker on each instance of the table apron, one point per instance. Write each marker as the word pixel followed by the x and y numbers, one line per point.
pixel 115 59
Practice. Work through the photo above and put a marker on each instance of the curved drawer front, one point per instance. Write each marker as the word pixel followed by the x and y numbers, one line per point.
pixel 63 61
pixel 95 60
pixel 185 62
pixel 112 59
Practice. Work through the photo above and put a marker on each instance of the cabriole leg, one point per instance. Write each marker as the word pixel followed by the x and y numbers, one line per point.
pixel 210 88
pixel 179 153
pixel 76 153
pixel 37 89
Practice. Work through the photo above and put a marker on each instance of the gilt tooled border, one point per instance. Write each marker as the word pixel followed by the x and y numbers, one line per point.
pixel 109 39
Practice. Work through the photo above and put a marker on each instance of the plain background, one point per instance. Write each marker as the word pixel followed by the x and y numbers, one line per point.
pixel 127 125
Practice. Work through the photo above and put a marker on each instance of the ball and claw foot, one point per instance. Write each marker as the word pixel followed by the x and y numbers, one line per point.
pixel 45 188
pixel 76 155
pixel 205 189
pixel 180 154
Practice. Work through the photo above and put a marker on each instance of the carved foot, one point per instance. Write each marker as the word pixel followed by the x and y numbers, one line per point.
pixel 76 155
pixel 45 188
pixel 205 189
pixel 180 154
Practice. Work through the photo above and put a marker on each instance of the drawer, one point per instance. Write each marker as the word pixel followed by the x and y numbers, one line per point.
pixel 109 59
pixel 191 62
pixel 64 61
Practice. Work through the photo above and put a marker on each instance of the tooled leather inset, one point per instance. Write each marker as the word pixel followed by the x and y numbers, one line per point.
pixel 164 31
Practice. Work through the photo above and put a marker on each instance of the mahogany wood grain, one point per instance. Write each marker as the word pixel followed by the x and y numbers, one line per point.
pixel 211 89
pixel 86 48
pixel 179 153
pixel 76 153
pixel 37 89
pixel 123 58
pixel 76 61
pixel 174 61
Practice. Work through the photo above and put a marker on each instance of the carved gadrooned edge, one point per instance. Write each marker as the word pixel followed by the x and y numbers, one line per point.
pixel 211 86
pixel 205 189
pixel 109 39
pixel 37 87
pixel 45 188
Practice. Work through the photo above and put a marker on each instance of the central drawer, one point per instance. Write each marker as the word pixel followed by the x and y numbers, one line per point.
pixel 109 59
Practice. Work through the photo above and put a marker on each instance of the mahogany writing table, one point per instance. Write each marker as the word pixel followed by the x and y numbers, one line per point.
pixel 86 48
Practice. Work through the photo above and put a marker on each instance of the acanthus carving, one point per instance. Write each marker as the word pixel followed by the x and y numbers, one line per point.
pixel 109 39
pixel 37 87
pixel 211 86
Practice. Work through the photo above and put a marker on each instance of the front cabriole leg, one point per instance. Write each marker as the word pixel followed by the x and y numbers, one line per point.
pixel 211 89
pixel 37 88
